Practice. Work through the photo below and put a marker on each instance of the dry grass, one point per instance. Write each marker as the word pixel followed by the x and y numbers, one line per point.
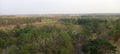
pixel 118 47
pixel 35 24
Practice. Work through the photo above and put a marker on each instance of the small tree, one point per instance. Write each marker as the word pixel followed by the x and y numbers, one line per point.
pixel 3 34
pixel 98 46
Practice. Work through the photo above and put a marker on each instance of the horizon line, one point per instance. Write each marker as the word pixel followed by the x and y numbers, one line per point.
pixel 57 14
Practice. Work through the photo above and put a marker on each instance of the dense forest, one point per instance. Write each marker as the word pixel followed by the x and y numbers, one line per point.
pixel 75 35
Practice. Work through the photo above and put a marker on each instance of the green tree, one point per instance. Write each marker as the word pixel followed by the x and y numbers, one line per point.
pixel 98 46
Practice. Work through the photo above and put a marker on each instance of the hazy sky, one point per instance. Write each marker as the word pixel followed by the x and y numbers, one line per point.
pixel 58 6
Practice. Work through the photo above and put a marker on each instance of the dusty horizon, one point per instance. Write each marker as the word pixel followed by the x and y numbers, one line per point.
pixel 21 7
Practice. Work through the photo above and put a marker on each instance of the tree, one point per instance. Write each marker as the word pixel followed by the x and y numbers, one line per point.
pixel 116 30
pixel 3 34
pixel 98 46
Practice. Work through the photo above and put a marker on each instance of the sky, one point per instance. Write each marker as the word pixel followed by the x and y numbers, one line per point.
pixel 58 6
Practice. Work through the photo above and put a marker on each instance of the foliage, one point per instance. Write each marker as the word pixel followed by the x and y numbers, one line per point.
pixel 98 46
pixel 65 37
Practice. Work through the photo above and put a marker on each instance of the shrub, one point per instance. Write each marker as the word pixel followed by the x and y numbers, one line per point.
pixel 98 46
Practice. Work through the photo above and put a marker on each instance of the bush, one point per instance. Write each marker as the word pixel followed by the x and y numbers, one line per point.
pixel 98 46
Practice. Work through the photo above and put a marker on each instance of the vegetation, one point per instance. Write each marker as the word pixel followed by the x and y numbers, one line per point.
pixel 65 36
pixel 98 46
pixel 17 21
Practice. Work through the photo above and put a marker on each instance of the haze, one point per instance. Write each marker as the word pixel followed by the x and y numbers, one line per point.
pixel 58 6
